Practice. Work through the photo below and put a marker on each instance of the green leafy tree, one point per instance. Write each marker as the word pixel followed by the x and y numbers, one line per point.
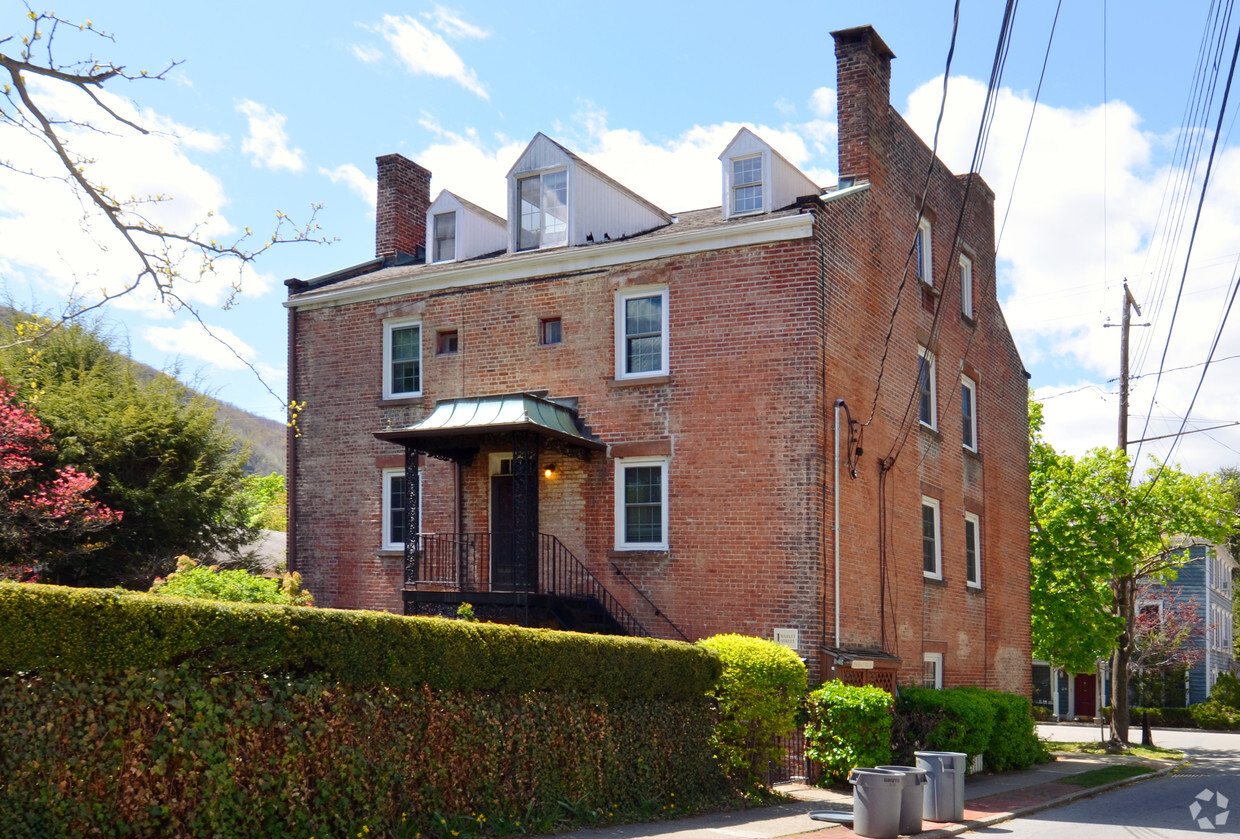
pixel 266 501
pixel 153 445
pixel 1095 536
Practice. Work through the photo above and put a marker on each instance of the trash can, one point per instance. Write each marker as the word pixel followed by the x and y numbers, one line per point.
pixel 912 801
pixel 876 802
pixel 944 790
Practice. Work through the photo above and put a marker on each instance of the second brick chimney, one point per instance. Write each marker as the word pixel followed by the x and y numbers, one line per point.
pixel 863 97
pixel 400 213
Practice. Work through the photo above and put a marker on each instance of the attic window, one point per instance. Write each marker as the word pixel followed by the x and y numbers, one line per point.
pixel 543 206
pixel 445 237
pixel 747 185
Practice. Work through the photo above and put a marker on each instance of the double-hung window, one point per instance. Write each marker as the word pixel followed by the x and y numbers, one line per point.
pixel 968 412
pixel 641 503
pixel 543 210
pixel 932 670
pixel 641 333
pixel 931 539
pixel 747 185
pixel 966 286
pixel 924 264
pixel 402 358
pixel 927 409
pixel 444 242
pixel 394 516
pixel 972 550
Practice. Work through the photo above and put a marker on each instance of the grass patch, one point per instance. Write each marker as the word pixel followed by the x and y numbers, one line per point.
pixel 1096 748
pixel 1109 774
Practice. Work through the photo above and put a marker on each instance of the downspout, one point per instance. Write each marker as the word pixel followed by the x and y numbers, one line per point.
pixel 1206 623
pixel 839 403
pixel 290 449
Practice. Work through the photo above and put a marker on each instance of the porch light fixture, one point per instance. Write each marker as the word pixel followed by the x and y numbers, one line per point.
pixel 549 471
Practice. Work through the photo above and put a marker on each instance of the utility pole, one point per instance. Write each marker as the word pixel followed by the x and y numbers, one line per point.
pixel 1129 304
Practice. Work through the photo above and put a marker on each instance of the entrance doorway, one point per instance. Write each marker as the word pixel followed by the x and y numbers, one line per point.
pixel 503 553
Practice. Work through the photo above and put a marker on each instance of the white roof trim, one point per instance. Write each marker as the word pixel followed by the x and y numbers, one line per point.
pixel 564 260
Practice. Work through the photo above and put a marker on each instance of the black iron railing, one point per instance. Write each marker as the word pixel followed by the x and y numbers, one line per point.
pixel 485 562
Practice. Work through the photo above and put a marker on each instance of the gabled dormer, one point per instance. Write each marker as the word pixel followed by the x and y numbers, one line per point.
pixel 556 199
pixel 457 230
pixel 758 179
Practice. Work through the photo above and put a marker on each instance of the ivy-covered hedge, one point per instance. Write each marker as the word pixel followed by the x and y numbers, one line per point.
pixel 86 631
pixel 128 714
pixel 177 752
pixel 848 726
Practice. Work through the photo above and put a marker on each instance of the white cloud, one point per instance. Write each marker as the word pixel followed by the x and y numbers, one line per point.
pixel 267 143
pixel 822 102
pixel 224 351
pixel 355 179
pixel 57 245
pixel 1082 222
pixel 426 53
pixel 366 53
pixel 451 24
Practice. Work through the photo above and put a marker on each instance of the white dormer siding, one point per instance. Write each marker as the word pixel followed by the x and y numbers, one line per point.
pixel 758 179
pixel 475 231
pixel 555 199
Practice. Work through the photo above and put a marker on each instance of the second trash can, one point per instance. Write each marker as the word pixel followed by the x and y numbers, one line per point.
pixel 876 802
pixel 944 790
pixel 912 802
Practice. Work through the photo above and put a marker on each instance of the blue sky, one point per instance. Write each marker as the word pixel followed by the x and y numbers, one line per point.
pixel 278 106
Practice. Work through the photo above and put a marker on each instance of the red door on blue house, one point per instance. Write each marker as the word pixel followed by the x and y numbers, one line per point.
pixel 1085 695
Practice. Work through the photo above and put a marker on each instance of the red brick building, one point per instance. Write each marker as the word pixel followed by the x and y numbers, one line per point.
pixel 799 415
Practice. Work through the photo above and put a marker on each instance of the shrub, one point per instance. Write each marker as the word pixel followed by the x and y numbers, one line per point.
pixel 235 585
pixel 951 720
pixel 762 686
pixel 1226 691
pixel 1014 742
pixel 1177 717
pixel 1215 716
pixel 848 726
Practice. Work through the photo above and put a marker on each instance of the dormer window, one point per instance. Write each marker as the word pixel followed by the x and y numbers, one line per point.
pixel 444 245
pixel 747 185
pixel 543 210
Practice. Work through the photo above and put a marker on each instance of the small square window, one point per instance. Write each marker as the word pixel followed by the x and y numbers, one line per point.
pixel 550 331
pixel 447 342
pixel 931 541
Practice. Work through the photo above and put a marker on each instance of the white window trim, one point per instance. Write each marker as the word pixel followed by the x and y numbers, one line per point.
pixel 386 516
pixel 763 168
pixel 937 574
pixel 922 352
pixel 621 464
pixel 456 229
pixel 515 202
pixel 388 327
pixel 966 286
pixel 628 294
pixel 926 267
pixel 937 660
pixel 974 520
pixel 971 385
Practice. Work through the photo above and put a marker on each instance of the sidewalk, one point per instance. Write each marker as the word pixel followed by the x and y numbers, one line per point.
pixel 989 799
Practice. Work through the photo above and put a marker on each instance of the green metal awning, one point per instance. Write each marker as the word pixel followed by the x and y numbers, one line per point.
pixel 457 424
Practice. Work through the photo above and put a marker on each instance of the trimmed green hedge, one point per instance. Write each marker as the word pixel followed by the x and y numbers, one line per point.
pixel 949 720
pixel 848 726
pixel 86 631
pixel 1177 717
pixel 178 752
pixel 762 687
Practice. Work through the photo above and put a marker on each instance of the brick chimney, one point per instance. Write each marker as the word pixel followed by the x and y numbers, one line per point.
pixel 863 98
pixel 400 213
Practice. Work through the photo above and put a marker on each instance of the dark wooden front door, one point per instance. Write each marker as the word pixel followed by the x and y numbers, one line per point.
pixel 503 565
pixel 1085 694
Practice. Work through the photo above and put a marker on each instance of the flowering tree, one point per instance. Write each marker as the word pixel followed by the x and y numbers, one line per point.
pixel 44 512
pixel 1167 637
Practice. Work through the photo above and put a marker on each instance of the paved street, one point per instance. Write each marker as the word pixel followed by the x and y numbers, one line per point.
pixel 1162 807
